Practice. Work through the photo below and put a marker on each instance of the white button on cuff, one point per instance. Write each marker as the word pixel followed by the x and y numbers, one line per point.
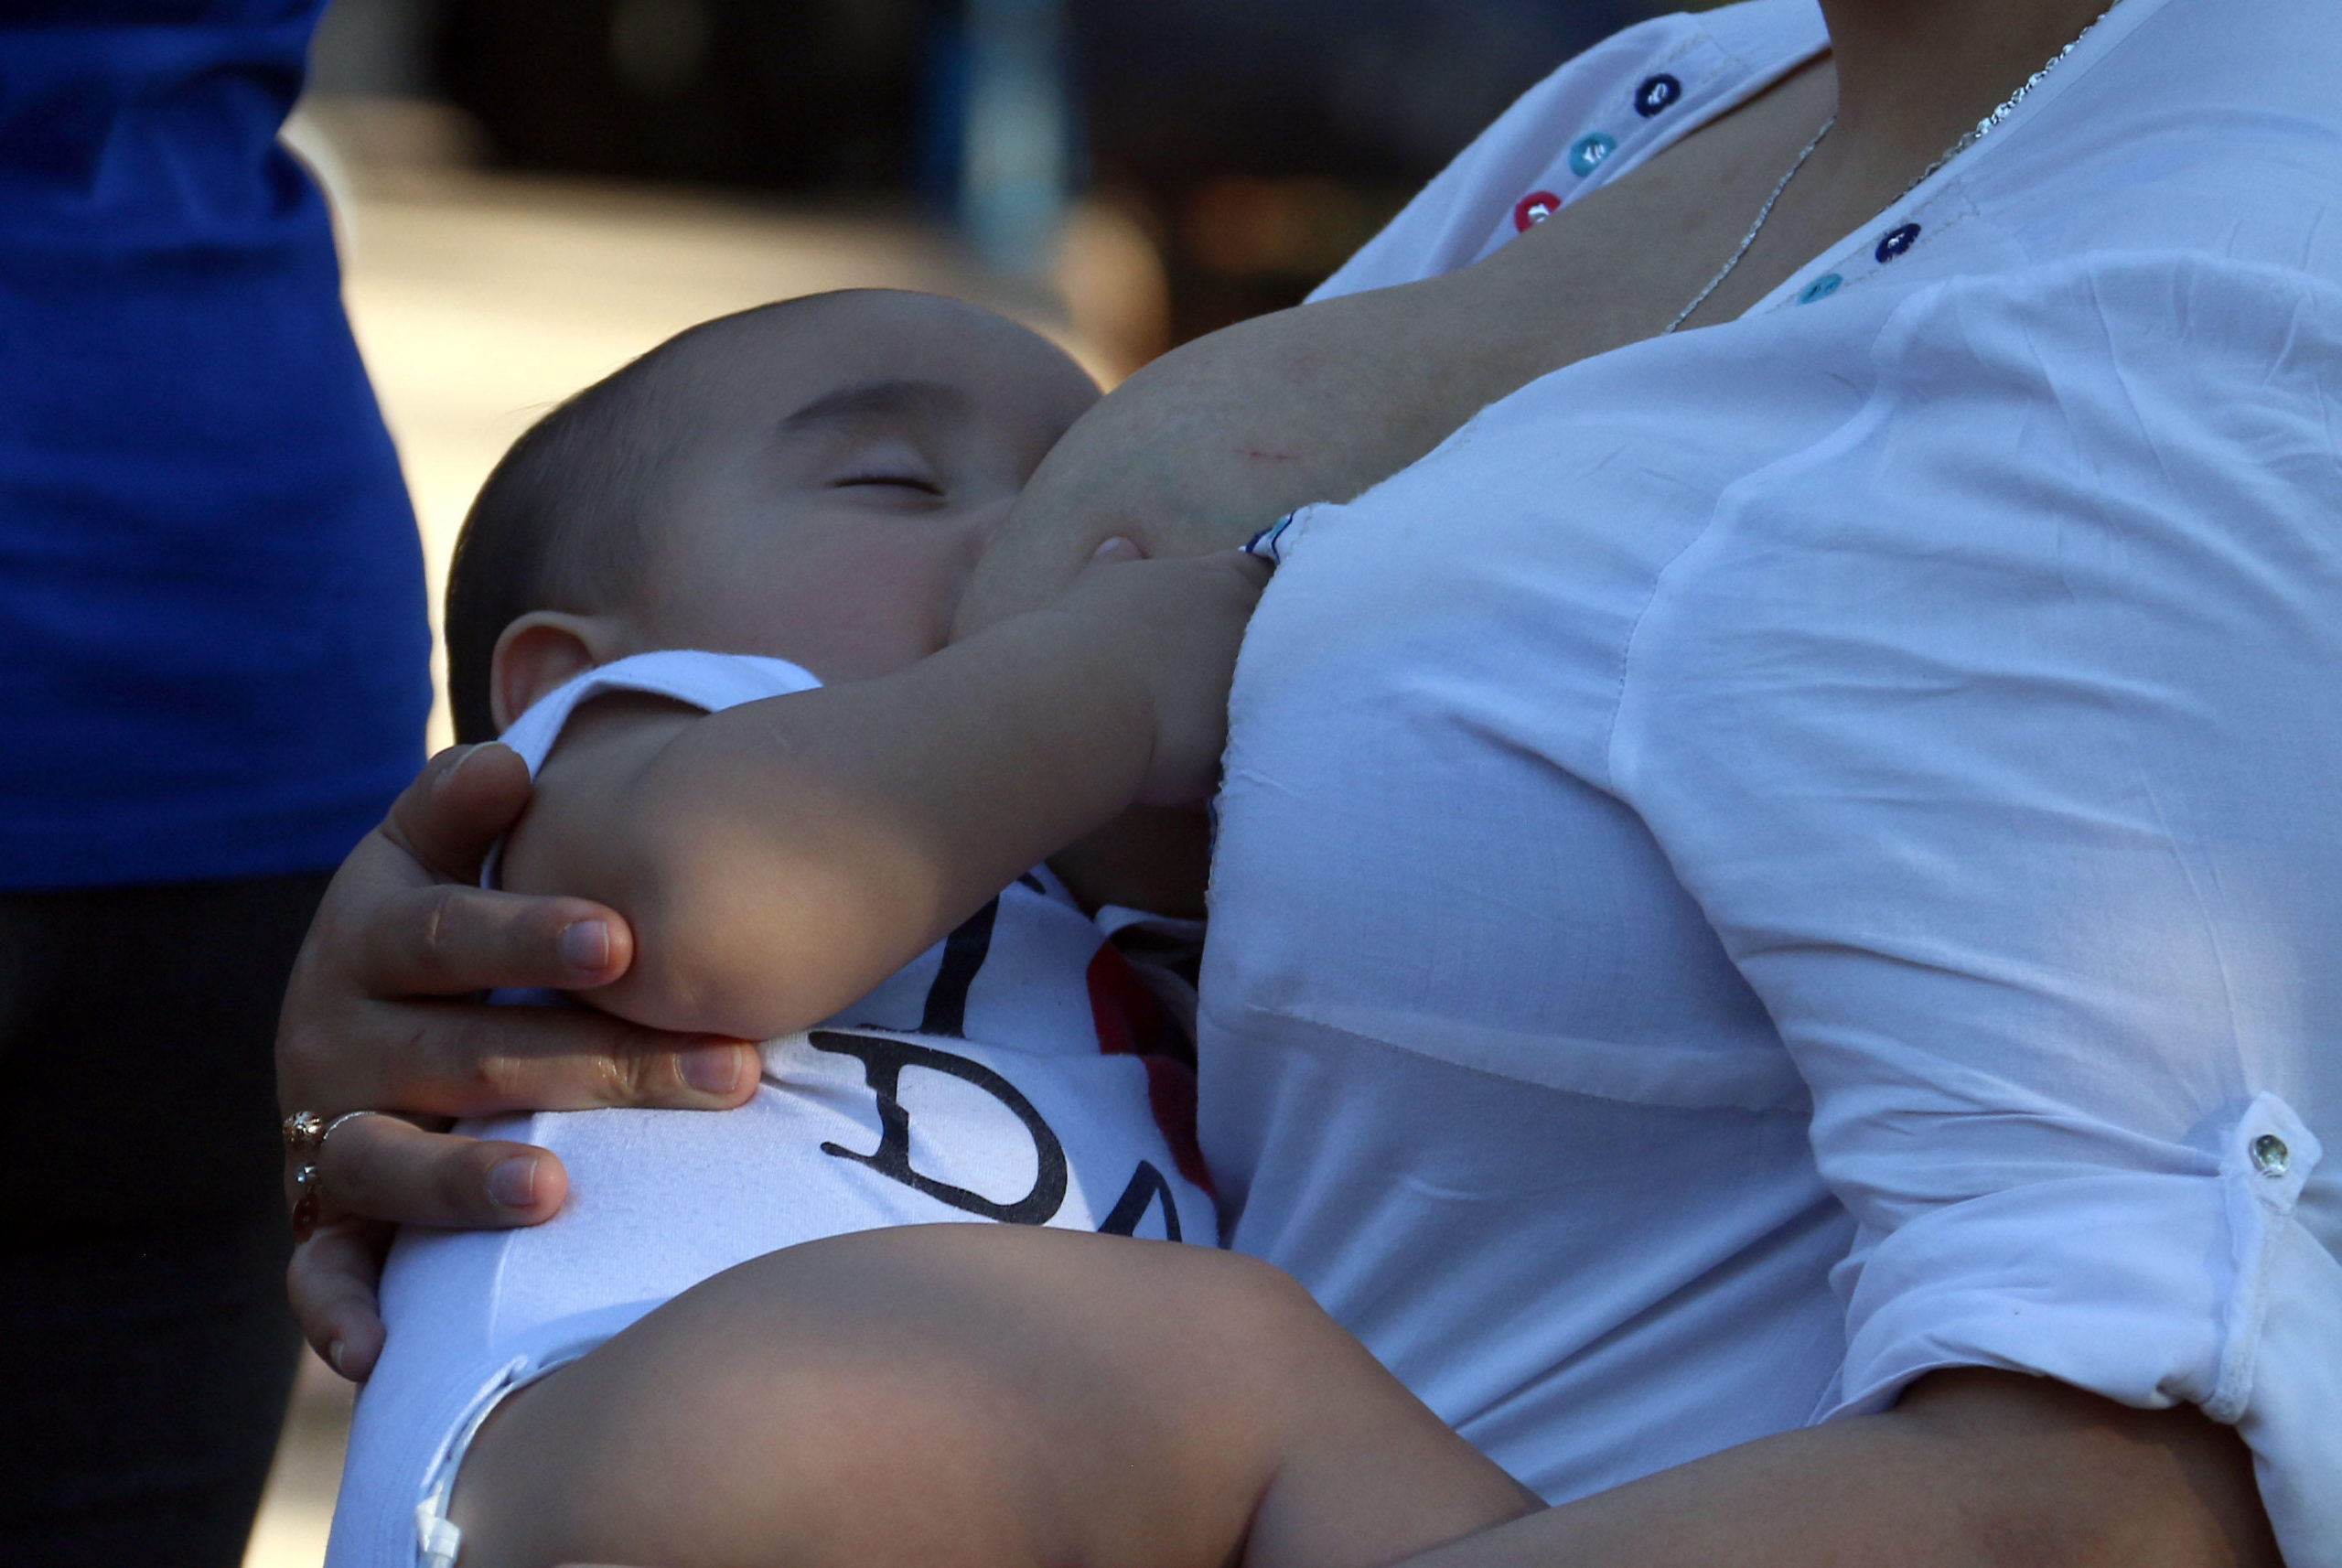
pixel 2269 1157
pixel 2271 1151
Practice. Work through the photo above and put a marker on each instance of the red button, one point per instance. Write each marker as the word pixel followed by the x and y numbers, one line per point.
pixel 1534 209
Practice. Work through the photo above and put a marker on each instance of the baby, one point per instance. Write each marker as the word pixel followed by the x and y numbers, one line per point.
pixel 707 600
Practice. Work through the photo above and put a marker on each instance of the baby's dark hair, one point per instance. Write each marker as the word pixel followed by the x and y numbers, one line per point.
pixel 560 523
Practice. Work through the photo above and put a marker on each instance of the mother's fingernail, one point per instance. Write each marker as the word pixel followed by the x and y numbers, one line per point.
pixel 513 1183
pixel 1118 549
pixel 333 1354
pixel 587 945
pixel 712 1069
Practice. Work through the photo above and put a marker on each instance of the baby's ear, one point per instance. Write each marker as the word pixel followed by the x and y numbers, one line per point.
pixel 541 650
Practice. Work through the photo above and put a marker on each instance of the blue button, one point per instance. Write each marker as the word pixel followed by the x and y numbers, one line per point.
pixel 1822 287
pixel 1586 155
pixel 1896 241
pixel 1655 93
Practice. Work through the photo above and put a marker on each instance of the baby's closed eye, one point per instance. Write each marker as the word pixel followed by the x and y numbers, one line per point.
pixel 886 464
pixel 897 480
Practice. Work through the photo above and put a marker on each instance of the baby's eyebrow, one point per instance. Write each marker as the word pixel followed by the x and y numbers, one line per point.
pixel 851 405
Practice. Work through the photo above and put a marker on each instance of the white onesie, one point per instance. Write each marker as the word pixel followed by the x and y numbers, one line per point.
pixel 999 1076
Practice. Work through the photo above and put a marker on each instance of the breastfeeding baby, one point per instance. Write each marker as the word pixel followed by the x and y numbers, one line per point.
pixel 923 1299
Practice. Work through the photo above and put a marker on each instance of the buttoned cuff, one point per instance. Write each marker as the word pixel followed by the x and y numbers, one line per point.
pixel 2151 1288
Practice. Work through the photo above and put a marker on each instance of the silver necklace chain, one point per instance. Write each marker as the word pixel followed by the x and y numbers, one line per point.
pixel 1968 139
pixel 1754 229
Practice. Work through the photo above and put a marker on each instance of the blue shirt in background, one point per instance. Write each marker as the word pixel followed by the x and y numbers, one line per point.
pixel 211 602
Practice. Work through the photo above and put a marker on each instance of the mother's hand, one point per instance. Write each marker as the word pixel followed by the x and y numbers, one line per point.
pixel 383 1013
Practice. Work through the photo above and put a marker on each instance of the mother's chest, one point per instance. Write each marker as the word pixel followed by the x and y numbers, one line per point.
pixel 1486 598
pixel 1419 843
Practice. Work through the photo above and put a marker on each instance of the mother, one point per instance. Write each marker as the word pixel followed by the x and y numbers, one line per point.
pixel 1768 873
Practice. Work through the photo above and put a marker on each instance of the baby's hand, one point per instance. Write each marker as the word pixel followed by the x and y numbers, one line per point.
pixel 1174 627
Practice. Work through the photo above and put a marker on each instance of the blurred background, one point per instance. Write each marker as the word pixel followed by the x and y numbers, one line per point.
pixel 530 192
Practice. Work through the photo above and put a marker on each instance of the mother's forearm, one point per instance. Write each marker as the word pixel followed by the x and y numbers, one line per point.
pixel 1974 1469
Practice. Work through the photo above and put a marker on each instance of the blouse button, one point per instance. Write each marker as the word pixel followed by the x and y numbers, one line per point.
pixel 1822 287
pixel 1534 209
pixel 1655 93
pixel 1588 155
pixel 1896 241
pixel 2270 1155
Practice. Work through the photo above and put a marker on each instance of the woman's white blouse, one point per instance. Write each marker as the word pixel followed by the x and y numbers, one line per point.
pixel 1809 850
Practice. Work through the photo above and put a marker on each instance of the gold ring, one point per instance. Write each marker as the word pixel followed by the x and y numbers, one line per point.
pixel 305 1134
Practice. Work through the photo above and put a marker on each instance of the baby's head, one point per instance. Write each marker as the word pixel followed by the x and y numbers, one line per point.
pixel 812 480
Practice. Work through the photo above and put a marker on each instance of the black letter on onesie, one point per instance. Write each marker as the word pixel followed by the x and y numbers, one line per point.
pixel 1147 1186
pixel 883 1062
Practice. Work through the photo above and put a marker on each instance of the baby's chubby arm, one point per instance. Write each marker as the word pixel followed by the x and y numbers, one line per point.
pixel 778 859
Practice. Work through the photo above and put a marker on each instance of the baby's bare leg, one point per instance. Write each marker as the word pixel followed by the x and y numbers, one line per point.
pixel 978 1396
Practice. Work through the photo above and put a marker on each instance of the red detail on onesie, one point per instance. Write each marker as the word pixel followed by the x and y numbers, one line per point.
pixel 1132 1022
pixel 1534 209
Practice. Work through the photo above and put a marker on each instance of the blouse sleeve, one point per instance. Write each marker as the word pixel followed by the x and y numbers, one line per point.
pixel 2000 736
pixel 1449 222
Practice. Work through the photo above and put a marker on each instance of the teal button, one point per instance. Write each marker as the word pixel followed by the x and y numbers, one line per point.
pixel 1822 287
pixel 1588 155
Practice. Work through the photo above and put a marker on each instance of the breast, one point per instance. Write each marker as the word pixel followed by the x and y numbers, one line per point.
pixel 1475 1066
pixel 1418 841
